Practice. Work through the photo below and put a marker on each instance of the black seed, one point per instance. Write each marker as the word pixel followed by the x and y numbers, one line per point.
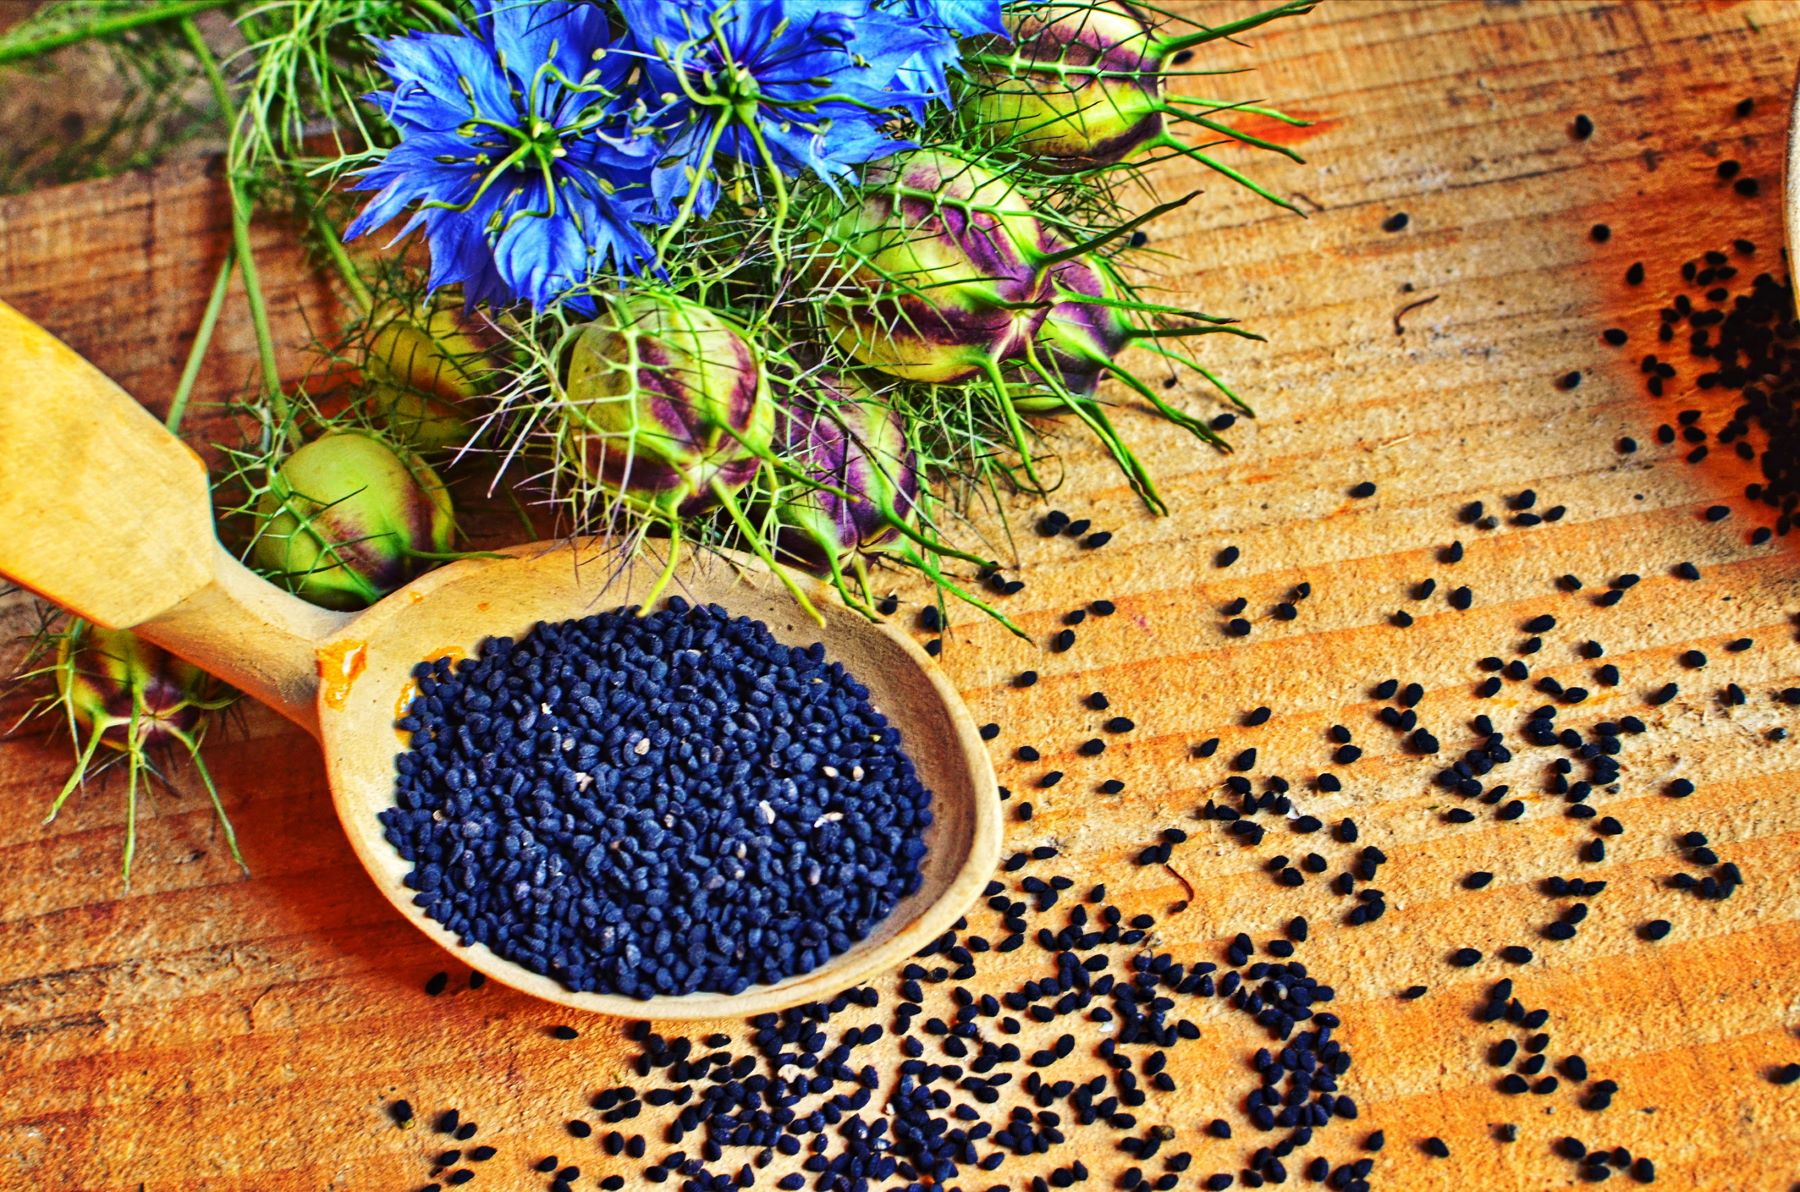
pixel 1395 222
pixel 1364 489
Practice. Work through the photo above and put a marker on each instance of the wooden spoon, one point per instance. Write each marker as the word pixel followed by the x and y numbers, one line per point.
pixel 108 515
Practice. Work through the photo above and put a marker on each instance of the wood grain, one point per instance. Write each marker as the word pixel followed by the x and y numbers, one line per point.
pixel 209 1031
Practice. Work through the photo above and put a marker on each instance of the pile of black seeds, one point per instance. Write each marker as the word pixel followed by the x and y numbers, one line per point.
pixel 1738 334
pixel 655 804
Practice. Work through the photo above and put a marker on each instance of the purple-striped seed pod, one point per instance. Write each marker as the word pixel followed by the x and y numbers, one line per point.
pixel 349 518
pixel 844 438
pixel 933 274
pixel 666 403
pixel 1081 85
pixel 110 678
pixel 1085 328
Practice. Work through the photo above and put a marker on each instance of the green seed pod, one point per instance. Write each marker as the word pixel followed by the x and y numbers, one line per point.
pixel 106 678
pixel 933 275
pixel 349 518
pixel 1081 87
pixel 666 403
pixel 423 373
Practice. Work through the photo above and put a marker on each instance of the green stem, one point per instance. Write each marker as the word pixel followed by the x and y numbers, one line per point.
pixel 240 234
pixel 439 13
pixel 81 768
pixel 122 22
pixel 334 249
pixel 212 791
pixel 668 569
pixel 693 194
pixel 779 223
pixel 1174 45
pixel 754 539
pixel 209 320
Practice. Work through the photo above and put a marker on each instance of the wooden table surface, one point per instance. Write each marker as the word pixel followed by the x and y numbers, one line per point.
pixel 210 1030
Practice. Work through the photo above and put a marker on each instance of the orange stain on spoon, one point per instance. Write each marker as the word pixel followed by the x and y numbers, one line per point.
pixel 339 664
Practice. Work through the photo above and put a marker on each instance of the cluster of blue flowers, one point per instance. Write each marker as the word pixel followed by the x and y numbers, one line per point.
pixel 537 146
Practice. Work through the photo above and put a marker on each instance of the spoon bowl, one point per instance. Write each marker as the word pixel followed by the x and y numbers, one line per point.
pixel 123 536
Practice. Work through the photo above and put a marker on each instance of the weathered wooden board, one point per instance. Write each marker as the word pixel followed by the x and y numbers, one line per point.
pixel 207 1030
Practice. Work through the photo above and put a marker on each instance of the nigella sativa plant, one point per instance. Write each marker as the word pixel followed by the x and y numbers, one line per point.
pixel 793 86
pixel 521 162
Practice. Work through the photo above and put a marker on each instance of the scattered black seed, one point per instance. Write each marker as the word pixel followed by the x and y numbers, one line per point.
pixel 1582 128
pixel 1363 489
pixel 437 983
pixel 564 1032
pixel 1396 222
pixel 1600 233
pixel 1227 556
pixel 1654 930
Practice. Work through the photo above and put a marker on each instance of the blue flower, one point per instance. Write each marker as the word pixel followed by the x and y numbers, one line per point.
pixel 527 173
pixel 814 81
pixel 928 70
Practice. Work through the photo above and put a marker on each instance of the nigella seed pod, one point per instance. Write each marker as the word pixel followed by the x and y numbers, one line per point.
pixel 935 274
pixel 853 491
pixel 1081 86
pixel 349 518
pixel 854 450
pixel 110 678
pixel 666 404
pixel 1085 328
pixel 423 370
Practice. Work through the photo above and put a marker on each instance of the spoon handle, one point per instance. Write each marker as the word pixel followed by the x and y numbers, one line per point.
pixel 104 512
